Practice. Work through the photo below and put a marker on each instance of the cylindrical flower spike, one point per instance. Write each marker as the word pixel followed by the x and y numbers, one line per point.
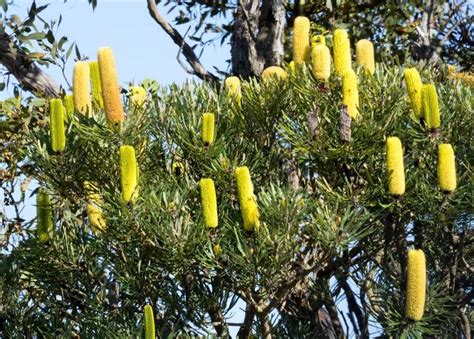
pixel 350 93
pixel 96 86
pixel 110 86
pixel 274 71
pixel 301 40
pixel 81 88
pixel 138 96
pixel 395 167
pixel 342 52
pixel 209 202
pixel 233 88
pixel 416 284
pixel 430 106
pixel 365 55
pixel 149 322
pixel 321 59
pixel 247 199
pixel 68 103
pixel 94 208
pixel 56 124
pixel 207 130
pixel 414 84
pixel 128 172
pixel 44 216
pixel 446 168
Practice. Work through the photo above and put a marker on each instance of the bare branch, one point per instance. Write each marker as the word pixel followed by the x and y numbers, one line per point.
pixel 188 52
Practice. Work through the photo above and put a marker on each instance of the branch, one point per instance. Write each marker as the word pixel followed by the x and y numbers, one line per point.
pixel 28 74
pixel 188 52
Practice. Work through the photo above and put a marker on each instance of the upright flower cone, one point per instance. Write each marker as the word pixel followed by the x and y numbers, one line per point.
pixel 128 173
pixel 416 285
pixel 94 208
pixel 301 40
pixel 342 52
pixel 138 96
pixel 365 55
pixel 149 322
pixel 56 124
pixel 110 87
pixel 247 199
pixel 274 72
pixel 207 130
pixel 395 167
pixel 233 88
pixel 430 106
pixel 350 93
pixel 321 58
pixel 446 168
pixel 414 84
pixel 209 202
pixel 44 215
pixel 96 86
pixel 81 88
pixel 68 103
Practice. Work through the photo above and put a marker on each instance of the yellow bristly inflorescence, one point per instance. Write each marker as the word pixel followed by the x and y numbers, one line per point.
pixel 149 322
pixel 56 124
pixel 446 168
pixel 395 167
pixel 94 207
pixel 110 86
pixel 96 86
pixel 430 106
pixel 321 58
pixel 128 173
pixel 416 285
pixel 301 40
pixel 81 88
pixel 342 52
pixel 209 202
pixel 207 128
pixel 44 215
pixel 247 199
pixel 138 96
pixel 365 55
pixel 274 72
pixel 233 88
pixel 414 84
pixel 350 93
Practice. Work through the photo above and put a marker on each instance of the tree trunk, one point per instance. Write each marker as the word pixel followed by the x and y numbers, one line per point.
pixel 258 37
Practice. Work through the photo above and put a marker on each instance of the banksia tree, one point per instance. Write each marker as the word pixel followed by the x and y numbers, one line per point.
pixel 56 124
pixel 414 85
pixel 395 167
pixel 44 216
pixel 342 52
pixel 209 202
pixel 96 86
pixel 301 47
pixel 247 199
pixel 430 106
pixel 207 129
pixel 110 87
pixel 321 59
pixel 446 168
pixel 350 93
pixel 416 284
pixel 365 55
pixel 82 88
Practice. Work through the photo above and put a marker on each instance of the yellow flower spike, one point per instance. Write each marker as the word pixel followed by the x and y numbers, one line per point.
pixel 414 84
pixel 207 129
pixel 128 172
pixel 350 93
pixel 365 55
pixel 44 216
pixel 149 322
pixel 110 86
pixel 395 167
pixel 342 52
pixel 416 284
pixel 68 102
pixel 217 249
pixel 96 86
pixel 56 124
pixel 321 61
pixel 209 202
pixel 81 88
pixel 94 208
pixel 247 199
pixel 138 96
pixel 318 40
pixel 274 71
pixel 301 40
pixel 430 106
pixel 233 88
pixel 446 168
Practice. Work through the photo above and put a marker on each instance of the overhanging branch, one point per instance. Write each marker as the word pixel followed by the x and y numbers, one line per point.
pixel 187 51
